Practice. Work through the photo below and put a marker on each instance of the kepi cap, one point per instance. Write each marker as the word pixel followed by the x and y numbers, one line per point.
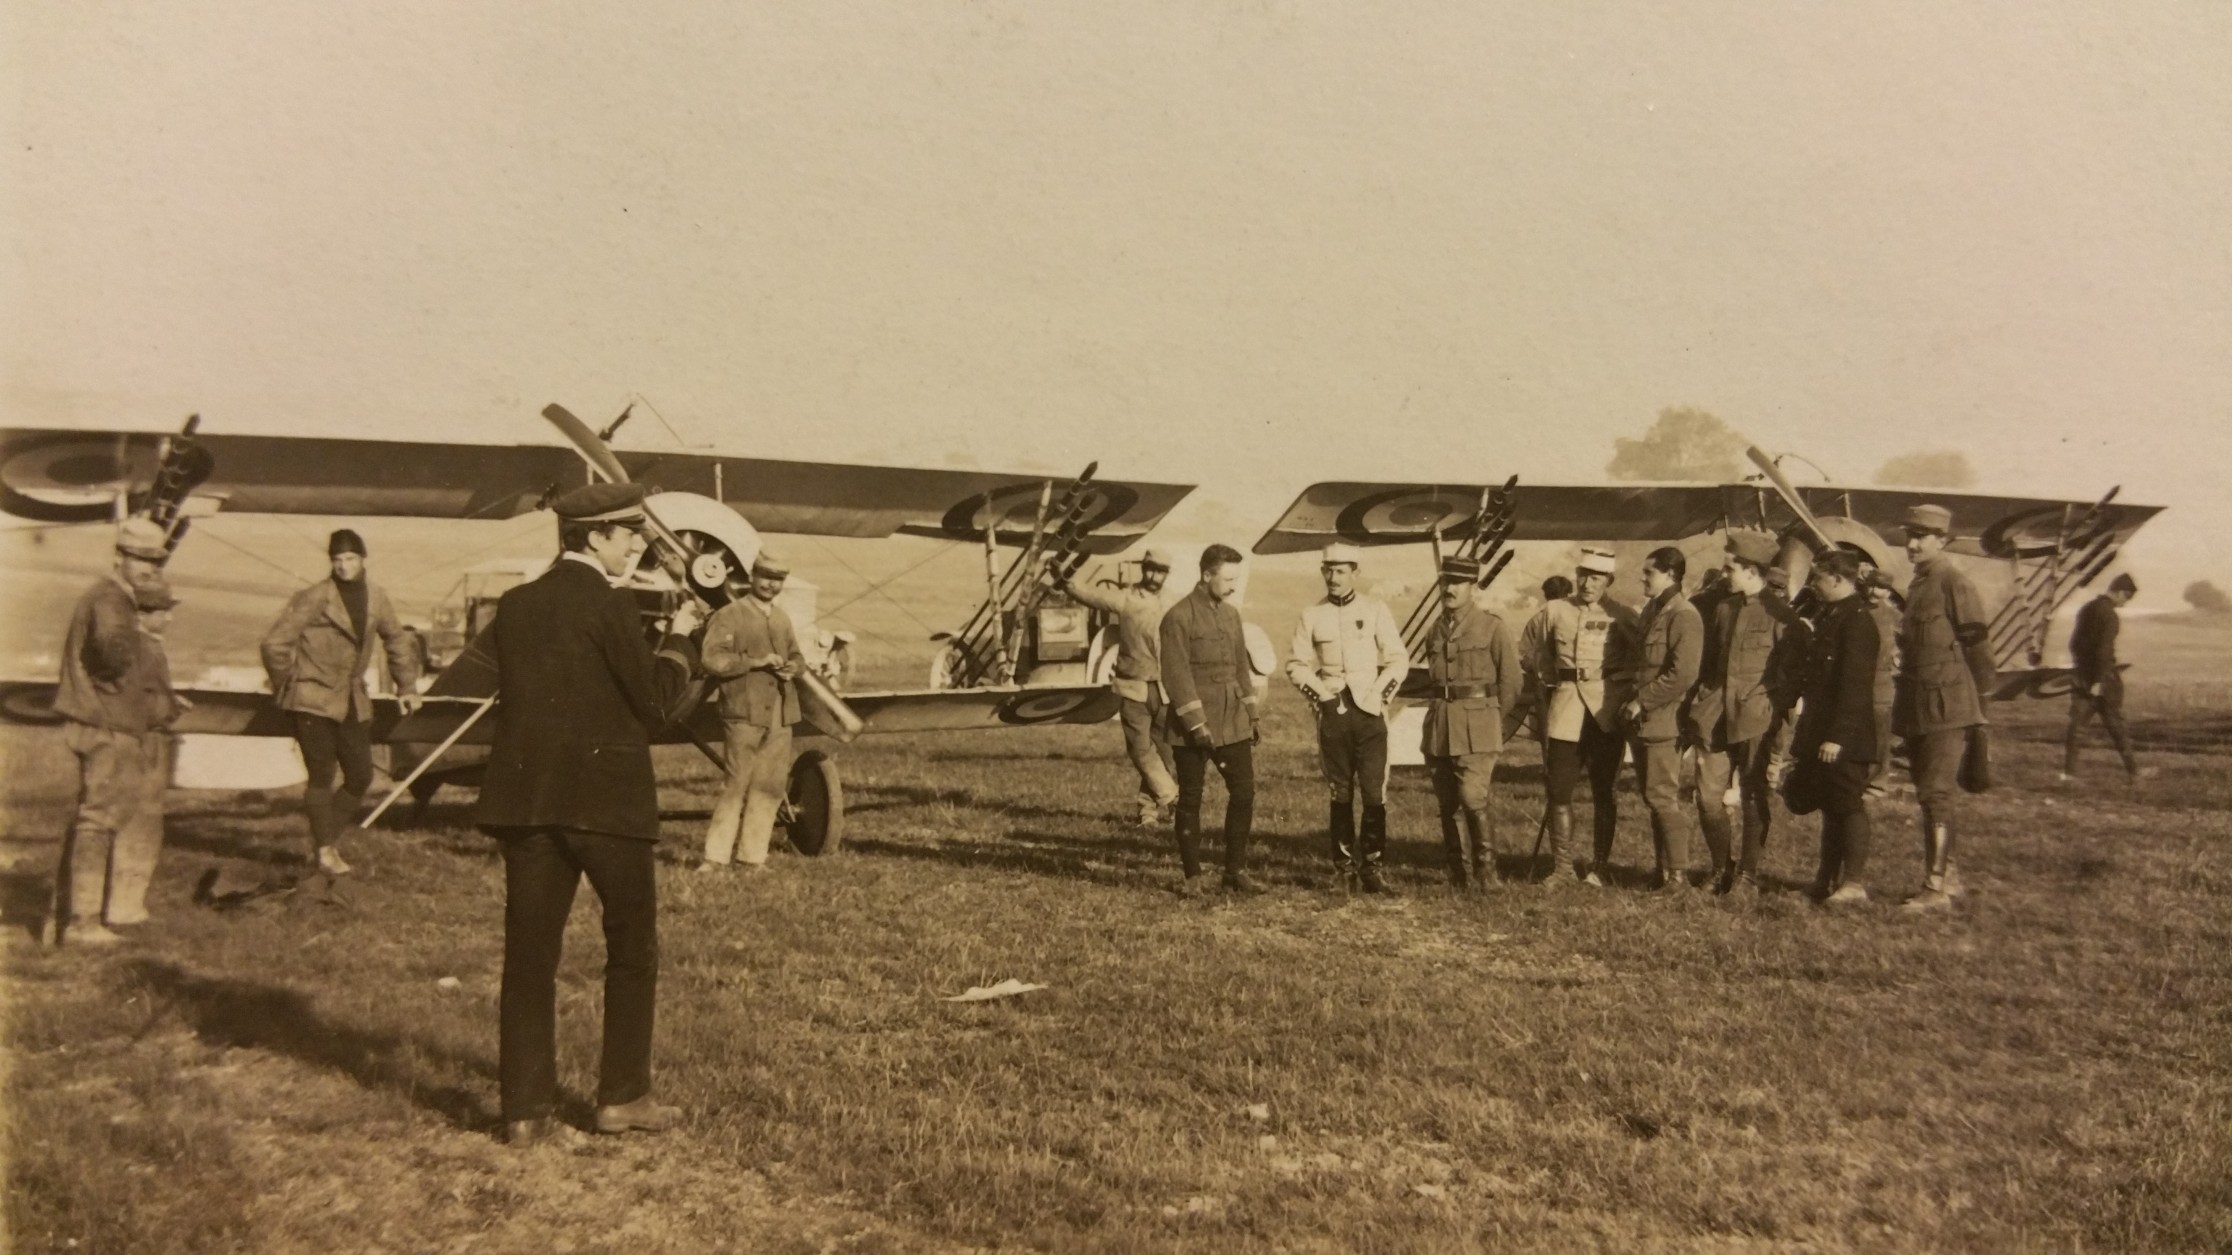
pixel 142 538
pixel 1342 551
pixel 768 566
pixel 1757 548
pixel 1156 558
pixel 1597 560
pixel 1929 518
pixel 345 541
pixel 601 503
pixel 1460 571
pixel 2123 583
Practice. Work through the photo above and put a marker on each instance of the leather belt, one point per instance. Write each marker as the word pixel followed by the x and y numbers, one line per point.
pixel 1459 692
pixel 1579 674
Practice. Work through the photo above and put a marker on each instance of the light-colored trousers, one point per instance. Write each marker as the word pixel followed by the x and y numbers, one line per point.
pixel 1149 756
pixel 759 776
pixel 108 856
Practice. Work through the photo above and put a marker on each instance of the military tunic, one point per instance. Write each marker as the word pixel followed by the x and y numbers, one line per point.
pixel 1474 666
pixel 1584 657
pixel 758 707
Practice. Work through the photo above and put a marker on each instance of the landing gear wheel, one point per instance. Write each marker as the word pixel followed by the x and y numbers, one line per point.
pixel 813 814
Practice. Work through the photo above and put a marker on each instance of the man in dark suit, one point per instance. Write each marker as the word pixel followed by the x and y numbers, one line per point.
pixel 1836 743
pixel 2096 681
pixel 570 793
pixel 1211 696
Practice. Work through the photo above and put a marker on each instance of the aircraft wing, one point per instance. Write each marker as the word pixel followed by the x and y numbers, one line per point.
pixel 1396 514
pixel 63 476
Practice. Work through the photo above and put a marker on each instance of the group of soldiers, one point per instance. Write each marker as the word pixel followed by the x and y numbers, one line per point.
pixel 1720 698
pixel 1738 678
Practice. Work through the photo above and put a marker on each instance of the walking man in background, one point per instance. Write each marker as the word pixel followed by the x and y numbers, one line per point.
pixel 316 654
pixel 1945 666
pixel 751 647
pixel 1580 651
pixel 2096 681
pixel 113 698
pixel 1348 658
pixel 1474 666
pixel 1138 680
pixel 570 793
pixel 1672 641
pixel 1206 681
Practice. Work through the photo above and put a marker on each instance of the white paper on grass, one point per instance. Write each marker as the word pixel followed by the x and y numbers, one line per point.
pixel 985 993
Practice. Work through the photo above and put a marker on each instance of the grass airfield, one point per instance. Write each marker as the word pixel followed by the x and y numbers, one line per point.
pixel 2049 1069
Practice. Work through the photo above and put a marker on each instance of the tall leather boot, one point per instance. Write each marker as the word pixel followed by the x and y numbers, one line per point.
pixel 317 807
pixel 1340 827
pixel 1937 866
pixel 1607 826
pixel 1480 833
pixel 1717 832
pixel 1372 845
pixel 1457 850
pixel 1560 820
pixel 1186 826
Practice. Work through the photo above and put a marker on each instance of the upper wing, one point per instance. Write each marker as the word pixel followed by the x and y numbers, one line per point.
pixel 1392 514
pixel 72 476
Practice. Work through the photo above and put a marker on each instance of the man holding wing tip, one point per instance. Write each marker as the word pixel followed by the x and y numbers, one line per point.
pixel 1348 658
pixel 752 648
pixel 1138 679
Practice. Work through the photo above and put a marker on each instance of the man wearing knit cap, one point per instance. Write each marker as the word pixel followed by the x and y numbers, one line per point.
pixel 114 725
pixel 1945 671
pixel 570 793
pixel 1139 611
pixel 1581 652
pixel 751 647
pixel 2096 681
pixel 1745 687
pixel 1475 673
pixel 316 654
pixel 1348 657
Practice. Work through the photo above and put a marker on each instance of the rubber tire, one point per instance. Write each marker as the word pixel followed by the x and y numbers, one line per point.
pixel 817 803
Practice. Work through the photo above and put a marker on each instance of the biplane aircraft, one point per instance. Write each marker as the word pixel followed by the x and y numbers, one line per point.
pixel 2029 554
pixel 1027 656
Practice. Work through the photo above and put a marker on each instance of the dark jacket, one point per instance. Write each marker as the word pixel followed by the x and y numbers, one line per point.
pixel 102 682
pixel 1205 670
pixel 316 660
pixel 2092 643
pixel 1840 685
pixel 1673 642
pixel 578 694
pixel 1476 654
pixel 739 634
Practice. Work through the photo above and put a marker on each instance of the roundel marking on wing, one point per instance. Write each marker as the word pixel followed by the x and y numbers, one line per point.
pixel 1406 512
pixel 1028 708
pixel 1015 508
pixel 67 478
pixel 2032 533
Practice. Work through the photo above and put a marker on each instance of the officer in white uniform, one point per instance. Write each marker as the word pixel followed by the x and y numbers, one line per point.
pixel 1581 652
pixel 1348 659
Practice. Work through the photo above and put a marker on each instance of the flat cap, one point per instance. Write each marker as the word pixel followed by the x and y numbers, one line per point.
pixel 600 503
pixel 768 566
pixel 1597 560
pixel 2123 583
pixel 1460 571
pixel 1342 551
pixel 142 538
pixel 153 594
pixel 345 541
pixel 1757 548
pixel 1929 518
pixel 1159 559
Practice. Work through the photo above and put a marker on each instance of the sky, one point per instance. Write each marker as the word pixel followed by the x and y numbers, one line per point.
pixel 1248 246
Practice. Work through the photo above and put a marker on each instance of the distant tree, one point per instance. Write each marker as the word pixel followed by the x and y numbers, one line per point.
pixel 1929 468
pixel 1684 444
pixel 2208 598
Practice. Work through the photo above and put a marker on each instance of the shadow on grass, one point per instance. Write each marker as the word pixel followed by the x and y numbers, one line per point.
pixel 876 797
pixel 25 899
pixel 230 1012
pixel 247 849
